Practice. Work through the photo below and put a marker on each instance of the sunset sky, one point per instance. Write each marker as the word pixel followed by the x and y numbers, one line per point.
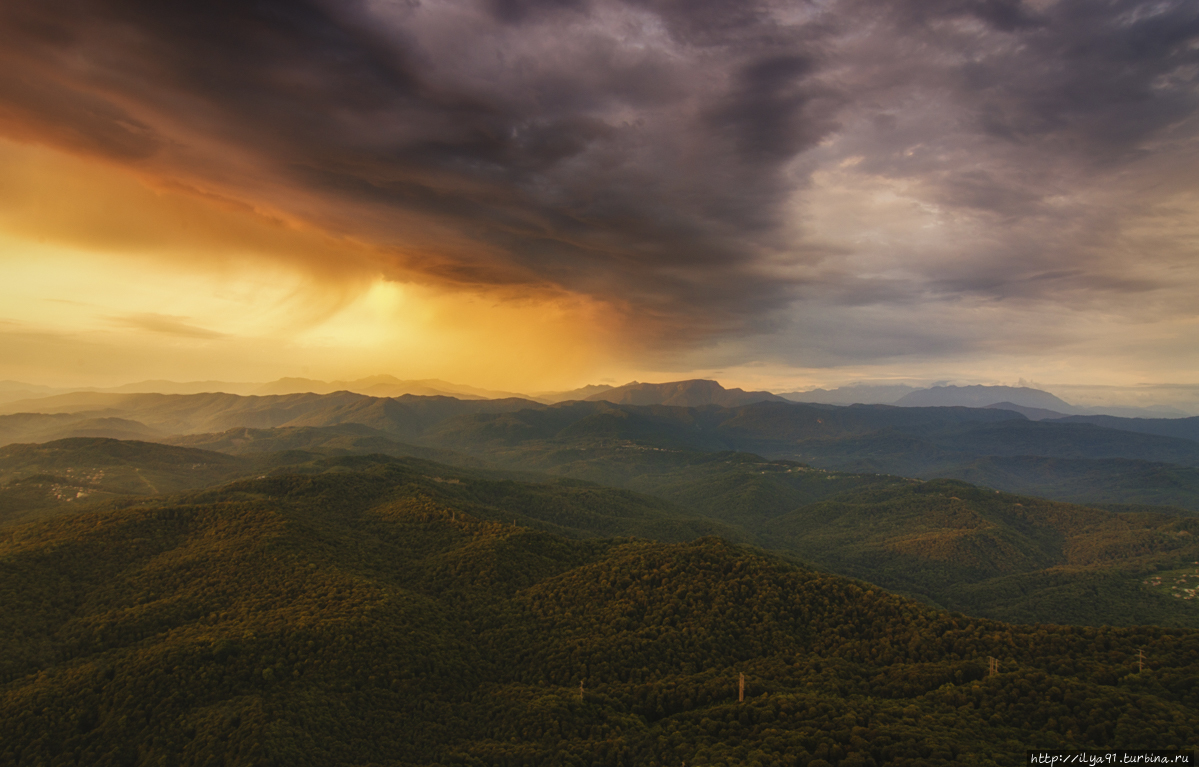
pixel 541 194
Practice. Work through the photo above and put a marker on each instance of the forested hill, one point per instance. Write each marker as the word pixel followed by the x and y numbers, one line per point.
pixel 37 479
pixel 1003 556
pixel 953 545
pixel 379 614
pixel 1187 428
pixel 1121 461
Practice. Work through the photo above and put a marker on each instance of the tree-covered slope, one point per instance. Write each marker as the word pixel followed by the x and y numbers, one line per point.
pixel 992 447
pixel 112 460
pixel 738 488
pixel 926 442
pixel 999 555
pixel 1091 481
pixel 367 617
pixel 1186 428
pixel 952 544
pixel 934 449
pixel 38 478
pixel 342 439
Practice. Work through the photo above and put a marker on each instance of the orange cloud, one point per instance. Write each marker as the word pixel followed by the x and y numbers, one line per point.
pixel 111 278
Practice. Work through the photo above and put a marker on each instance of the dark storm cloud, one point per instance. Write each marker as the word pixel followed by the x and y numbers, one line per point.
pixel 765 113
pixel 1097 74
pixel 1037 132
pixel 647 153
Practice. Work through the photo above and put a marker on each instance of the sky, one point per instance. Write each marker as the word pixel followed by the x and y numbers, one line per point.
pixel 540 194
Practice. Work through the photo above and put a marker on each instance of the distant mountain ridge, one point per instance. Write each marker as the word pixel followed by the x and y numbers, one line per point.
pixel 977 444
pixel 905 395
pixel 1018 398
pixel 694 393
pixel 985 396
pixel 551 397
pixel 11 391
pixel 160 386
pixel 376 386
pixel 1034 403
pixel 855 394
pixel 383 386
pixel 216 412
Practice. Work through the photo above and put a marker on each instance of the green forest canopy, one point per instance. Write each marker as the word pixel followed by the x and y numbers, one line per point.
pixel 374 615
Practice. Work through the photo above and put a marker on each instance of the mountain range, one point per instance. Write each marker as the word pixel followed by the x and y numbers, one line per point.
pixel 353 610
pixel 694 393
pixel 345 579
pixel 380 386
pixel 949 543
pixel 984 396
pixel 1035 403
pixel 995 446
pixel 853 394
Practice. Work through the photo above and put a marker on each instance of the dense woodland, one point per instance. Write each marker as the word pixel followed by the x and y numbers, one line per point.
pixel 365 611
pixel 947 543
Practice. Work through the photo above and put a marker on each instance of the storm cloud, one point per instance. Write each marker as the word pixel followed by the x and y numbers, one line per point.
pixel 716 170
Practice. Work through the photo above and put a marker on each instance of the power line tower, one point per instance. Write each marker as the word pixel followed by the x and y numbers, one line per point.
pixel 992 666
pixel 1140 660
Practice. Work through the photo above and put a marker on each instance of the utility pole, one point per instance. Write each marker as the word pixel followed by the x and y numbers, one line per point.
pixel 741 690
pixel 1140 660
pixel 580 691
